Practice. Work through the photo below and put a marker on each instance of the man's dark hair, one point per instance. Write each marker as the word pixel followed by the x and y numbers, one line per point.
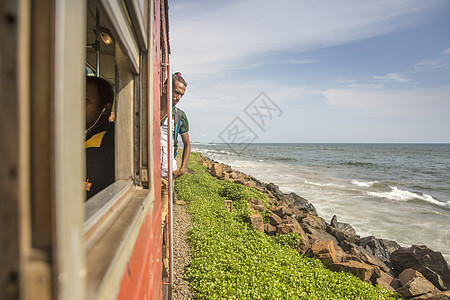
pixel 177 76
pixel 104 88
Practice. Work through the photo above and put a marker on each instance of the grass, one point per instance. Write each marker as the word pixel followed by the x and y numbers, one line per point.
pixel 231 260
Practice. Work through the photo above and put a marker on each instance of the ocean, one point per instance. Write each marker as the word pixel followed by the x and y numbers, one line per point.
pixel 398 192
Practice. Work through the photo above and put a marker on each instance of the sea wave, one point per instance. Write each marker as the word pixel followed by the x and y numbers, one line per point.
pixel 404 196
pixel 211 151
pixel 278 158
pixel 323 184
pixel 364 183
pixel 359 164
pixel 372 184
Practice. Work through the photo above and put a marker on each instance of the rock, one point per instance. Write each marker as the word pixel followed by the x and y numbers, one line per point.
pixel 324 251
pixel 343 227
pixel 255 201
pixel 430 263
pixel 315 221
pixel 302 203
pixel 341 235
pixel 283 210
pixel 388 282
pixel 433 296
pixel 283 229
pixel 290 220
pixel 340 254
pixel 257 222
pixel 274 219
pixel 361 270
pixel 259 208
pixel 381 248
pixel 249 183
pixel 409 274
pixel 416 287
pixel 216 170
pixel 333 221
pixel 360 254
pixel 315 234
pixel 269 229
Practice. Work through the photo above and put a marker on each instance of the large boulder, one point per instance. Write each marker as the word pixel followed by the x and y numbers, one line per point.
pixel 342 236
pixel 416 287
pixel 324 251
pixel 302 203
pixel 289 199
pixel 430 263
pixel 314 221
pixel 434 296
pixel 360 254
pixel 409 274
pixel 283 210
pixel 274 219
pixel 381 248
pixel 258 208
pixel 388 282
pixel 344 227
pixel 359 269
pixel 316 234
pixel 257 222
pixel 216 170
pixel 269 229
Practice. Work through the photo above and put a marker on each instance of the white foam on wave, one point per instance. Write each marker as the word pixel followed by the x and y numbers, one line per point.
pixel 322 184
pixel 211 151
pixel 404 196
pixel 364 183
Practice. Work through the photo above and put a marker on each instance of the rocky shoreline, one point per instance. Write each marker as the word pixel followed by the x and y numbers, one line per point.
pixel 416 272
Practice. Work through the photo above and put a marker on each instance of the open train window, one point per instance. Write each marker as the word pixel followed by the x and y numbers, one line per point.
pixel 58 245
pixel 115 53
pixel 101 94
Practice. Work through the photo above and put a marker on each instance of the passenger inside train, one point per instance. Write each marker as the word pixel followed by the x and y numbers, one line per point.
pixel 99 142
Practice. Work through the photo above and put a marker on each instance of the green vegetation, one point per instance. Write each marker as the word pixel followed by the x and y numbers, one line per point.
pixel 231 260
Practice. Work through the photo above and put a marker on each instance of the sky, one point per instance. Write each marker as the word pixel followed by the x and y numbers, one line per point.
pixel 322 71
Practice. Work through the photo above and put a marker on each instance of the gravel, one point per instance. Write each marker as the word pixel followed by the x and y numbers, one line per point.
pixel 182 223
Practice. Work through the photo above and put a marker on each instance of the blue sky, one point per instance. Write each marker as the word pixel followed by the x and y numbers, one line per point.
pixel 348 71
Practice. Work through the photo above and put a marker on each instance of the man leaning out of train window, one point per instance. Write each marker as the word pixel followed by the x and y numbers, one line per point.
pixel 180 126
pixel 99 144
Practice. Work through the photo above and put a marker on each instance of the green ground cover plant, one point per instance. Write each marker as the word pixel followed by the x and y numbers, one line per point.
pixel 231 260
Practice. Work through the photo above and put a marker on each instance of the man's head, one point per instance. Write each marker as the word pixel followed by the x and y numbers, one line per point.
pixel 99 99
pixel 178 88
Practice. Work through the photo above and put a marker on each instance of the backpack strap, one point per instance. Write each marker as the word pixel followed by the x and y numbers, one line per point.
pixel 176 129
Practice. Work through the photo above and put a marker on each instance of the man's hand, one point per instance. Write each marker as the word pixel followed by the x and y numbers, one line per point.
pixel 178 173
pixel 112 117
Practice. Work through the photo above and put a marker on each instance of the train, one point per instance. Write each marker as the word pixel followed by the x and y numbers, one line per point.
pixel 54 243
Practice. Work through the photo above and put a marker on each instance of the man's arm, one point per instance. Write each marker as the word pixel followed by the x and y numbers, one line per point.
pixel 186 153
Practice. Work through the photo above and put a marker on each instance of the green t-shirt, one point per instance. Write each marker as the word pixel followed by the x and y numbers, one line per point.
pixel 183 126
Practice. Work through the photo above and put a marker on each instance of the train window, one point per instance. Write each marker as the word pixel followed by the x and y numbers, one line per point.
pixel 100 105
pixel 59 246
pixel 114 52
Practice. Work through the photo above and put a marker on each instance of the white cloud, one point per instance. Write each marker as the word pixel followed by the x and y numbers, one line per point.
pixel 408 102
pixel 440 61
pixel 212 36
pixel 396 77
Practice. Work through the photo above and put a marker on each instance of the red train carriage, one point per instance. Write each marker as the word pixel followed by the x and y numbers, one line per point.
pixel 54 244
